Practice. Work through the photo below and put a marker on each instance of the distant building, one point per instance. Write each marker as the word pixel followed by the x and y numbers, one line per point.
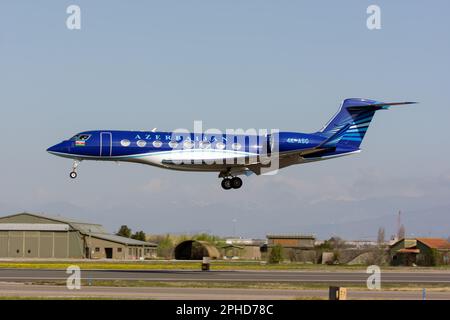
pixel 297 247
pixel 361 244
pixel 196 250
pixel 246 242
pixel 291 241
pixel 27 235
pixel 420 251
pixel 245 249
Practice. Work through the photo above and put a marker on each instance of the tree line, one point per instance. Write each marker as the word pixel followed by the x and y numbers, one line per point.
pixel 125 231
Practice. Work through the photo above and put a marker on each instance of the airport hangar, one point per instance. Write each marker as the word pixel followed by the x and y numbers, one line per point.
pixel 27 235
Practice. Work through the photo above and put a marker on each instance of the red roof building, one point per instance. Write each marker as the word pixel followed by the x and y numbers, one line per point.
pixel 420 251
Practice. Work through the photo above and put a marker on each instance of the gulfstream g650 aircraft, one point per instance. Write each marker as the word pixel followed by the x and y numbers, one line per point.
pixel 229 155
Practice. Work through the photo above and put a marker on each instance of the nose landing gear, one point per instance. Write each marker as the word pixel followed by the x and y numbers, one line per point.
pixel 73 173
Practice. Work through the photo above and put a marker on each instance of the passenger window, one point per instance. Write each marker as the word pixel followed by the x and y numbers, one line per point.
pixel 236 146
pixel 141 143
pixel 173 144
pixel 205 144
pixel 188 144
pixel 125 143
pixel 157 144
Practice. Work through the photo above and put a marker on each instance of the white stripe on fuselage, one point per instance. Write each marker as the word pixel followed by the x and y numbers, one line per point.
pixel 156 158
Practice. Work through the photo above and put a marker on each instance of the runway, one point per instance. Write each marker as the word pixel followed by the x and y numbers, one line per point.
pixel 38 291
pixel 23 275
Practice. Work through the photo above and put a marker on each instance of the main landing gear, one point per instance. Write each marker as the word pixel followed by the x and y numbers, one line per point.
pixel 73 173
pixel 231 183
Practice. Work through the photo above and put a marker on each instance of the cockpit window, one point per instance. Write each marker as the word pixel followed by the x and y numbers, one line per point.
pixel 81 137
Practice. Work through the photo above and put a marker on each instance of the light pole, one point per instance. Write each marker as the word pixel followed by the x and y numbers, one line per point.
pixel 90 243
pixel 234 227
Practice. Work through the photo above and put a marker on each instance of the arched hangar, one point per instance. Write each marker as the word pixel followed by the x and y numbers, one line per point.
pixel 195 250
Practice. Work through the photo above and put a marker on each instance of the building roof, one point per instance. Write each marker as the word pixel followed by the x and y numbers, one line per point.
pixel 34 227
pixel 83 227
pixel 290 236
pixel 93 229
pixel 246 242
pixel 231 245
pixel 435 243
pixel 122 240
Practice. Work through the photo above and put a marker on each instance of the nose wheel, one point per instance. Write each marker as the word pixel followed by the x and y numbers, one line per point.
pixel 231 183
pixel 73 173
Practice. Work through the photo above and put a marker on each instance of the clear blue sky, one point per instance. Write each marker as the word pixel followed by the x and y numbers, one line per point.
pixel 232 64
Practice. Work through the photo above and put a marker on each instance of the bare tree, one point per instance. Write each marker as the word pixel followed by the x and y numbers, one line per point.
pixel 381 236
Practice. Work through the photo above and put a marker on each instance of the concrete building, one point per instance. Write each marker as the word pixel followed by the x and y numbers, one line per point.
pixel 420 251
pixel 27 235
pixel 299 248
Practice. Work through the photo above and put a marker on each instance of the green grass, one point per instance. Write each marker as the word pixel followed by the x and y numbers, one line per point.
pixel 195 265
pixel 60 298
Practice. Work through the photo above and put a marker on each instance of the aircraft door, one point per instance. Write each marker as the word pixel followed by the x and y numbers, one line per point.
pixel 105 144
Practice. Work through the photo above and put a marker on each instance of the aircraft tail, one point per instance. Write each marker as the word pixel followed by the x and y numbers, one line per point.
pixel 351 122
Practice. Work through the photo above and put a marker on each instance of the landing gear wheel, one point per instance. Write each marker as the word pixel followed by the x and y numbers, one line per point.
pixel 75 165
pixel 226 184
pixel 236 183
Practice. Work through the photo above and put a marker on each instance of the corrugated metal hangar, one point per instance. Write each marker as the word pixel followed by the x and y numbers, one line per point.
pixel 27 235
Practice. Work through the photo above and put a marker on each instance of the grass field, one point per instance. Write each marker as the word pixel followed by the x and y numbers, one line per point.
pixel 195 265
pixel 250 285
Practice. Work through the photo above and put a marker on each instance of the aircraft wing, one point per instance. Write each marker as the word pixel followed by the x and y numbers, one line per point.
pixel 232 162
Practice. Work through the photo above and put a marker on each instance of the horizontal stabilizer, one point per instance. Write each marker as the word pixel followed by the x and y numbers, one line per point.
pixel 379 106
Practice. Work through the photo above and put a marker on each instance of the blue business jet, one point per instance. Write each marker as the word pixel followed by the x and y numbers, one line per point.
pixel 229 155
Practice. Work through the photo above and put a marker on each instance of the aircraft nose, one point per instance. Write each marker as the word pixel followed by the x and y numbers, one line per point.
pixel 54 148
pixel 58 148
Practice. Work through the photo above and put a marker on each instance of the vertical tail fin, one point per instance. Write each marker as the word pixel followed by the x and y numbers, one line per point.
pixel 356 115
